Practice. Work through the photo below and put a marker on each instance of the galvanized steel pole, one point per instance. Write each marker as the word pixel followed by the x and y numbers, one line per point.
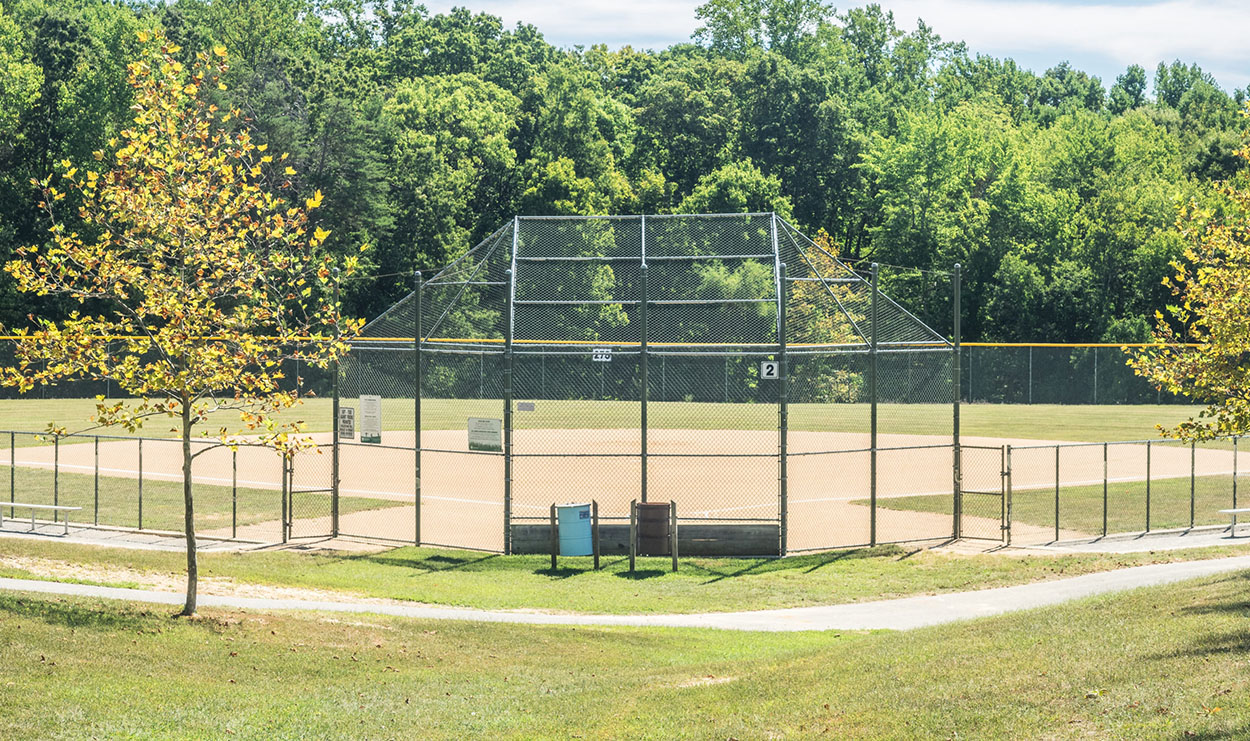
pixel 643 363
pixel 957 461
pixel 507 419
pixel 334 425
pixel 784 401
pixel 872 412
pixel 417 289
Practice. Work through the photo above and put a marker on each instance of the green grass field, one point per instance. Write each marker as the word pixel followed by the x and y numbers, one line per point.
pixel 162 500
pixel 1165 662
pixel 1037 421
pixel 527 582
pixel 1081 507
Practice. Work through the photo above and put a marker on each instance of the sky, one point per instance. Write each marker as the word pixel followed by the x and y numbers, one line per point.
pixel 1102 38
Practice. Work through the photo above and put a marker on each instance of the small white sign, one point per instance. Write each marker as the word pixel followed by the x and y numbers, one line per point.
pixel 601 354
pixel 347 423
pixel 486 434
pixel 525 406
pixel 770 369
pixel 371 419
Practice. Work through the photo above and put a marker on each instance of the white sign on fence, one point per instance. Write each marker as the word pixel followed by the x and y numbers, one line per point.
pixel 601 354
pixel 770 369
pixel 486 434
pixel 371 419
pixel 347 423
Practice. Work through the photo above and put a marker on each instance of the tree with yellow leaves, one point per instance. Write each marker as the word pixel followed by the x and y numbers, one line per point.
pixel 206 279
pixel 1203 340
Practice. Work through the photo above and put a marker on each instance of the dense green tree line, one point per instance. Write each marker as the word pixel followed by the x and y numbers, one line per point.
pixel 1057 192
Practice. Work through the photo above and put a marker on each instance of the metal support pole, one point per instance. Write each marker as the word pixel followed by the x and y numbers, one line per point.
pixel 1235 439
pixel 1008 469
pixel 1056 492
pixel 56 475
pixel 334 425
pixel 140 483
pixel 872 410
pixel 234 493
pixel 1147 486
pixel 1030 374
pixel 1104 490
pixel 957 457
pixel 1095 375
pixel 96 483
pixel 783 386
pixel 1193 469
pixel 507 419
pixel 417 290
pixel 286 512
pixel 645 356
pixel 12 470
pixel 1002 495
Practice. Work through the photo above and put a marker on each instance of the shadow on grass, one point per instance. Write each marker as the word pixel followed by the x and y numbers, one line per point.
pixel 78 615
pixel 638 574
pixel 806 564
pixel 430 564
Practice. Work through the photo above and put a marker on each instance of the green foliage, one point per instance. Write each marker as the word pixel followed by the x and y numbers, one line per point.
pixel 426 131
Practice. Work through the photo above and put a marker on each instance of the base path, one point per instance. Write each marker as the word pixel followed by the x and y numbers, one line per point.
pixel 899 614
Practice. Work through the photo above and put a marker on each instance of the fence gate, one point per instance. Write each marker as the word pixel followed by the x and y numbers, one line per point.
pixel 306 496
pixel 983 493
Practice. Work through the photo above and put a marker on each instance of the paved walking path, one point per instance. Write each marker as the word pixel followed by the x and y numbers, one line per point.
pixel 899 614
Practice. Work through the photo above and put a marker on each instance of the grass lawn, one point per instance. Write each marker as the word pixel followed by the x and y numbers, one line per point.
pixel 162 500
pixel 1037 421
pixel 1081 507
pixel 476 580
pixel 1165 662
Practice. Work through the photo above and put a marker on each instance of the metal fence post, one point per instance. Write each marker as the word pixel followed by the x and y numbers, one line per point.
pixel 1193 469
pixel 957 458
pixel 783 387
pixel 140 483
pixel 334 427
pixel 286 503
pixel 12 469
pixel 1235 439
pixel 1147 486
pixel 1030 374
pixel 1104 490
pixel 56 475
pixel 234 492
pixel 507 416
pixel 417 289
pixel 1056 492
pixel 96 483
pixel 1008 468
pixel 872 411
pixel 643 360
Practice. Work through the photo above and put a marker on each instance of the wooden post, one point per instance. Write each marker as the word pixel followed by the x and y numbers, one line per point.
pixel 633 532
pixel 555 537
pixel 672 532
pixel 594 533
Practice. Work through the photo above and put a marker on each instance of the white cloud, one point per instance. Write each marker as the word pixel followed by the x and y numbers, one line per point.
pixel 641 23
pixel 1103 37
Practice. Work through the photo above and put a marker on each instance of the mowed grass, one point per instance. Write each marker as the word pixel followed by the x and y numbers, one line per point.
pixel 1081 507
pixel 119 501
pixel 527 582
pixel 1164 662
pixel 1085 423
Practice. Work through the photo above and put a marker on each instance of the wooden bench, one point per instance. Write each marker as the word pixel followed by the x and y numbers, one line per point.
pixel 33 508
pixel 1232 531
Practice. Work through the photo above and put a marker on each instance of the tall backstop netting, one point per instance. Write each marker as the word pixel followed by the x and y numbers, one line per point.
pixel 726 363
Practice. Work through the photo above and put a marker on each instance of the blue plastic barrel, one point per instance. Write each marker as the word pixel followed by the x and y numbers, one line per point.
pixel 575 531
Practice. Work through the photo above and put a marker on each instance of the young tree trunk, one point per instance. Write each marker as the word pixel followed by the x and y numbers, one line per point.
pixel 188 609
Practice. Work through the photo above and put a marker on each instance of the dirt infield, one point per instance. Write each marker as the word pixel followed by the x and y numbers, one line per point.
pixel 713 475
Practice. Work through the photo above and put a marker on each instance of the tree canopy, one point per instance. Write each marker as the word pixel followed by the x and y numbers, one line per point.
pixel 1055 189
